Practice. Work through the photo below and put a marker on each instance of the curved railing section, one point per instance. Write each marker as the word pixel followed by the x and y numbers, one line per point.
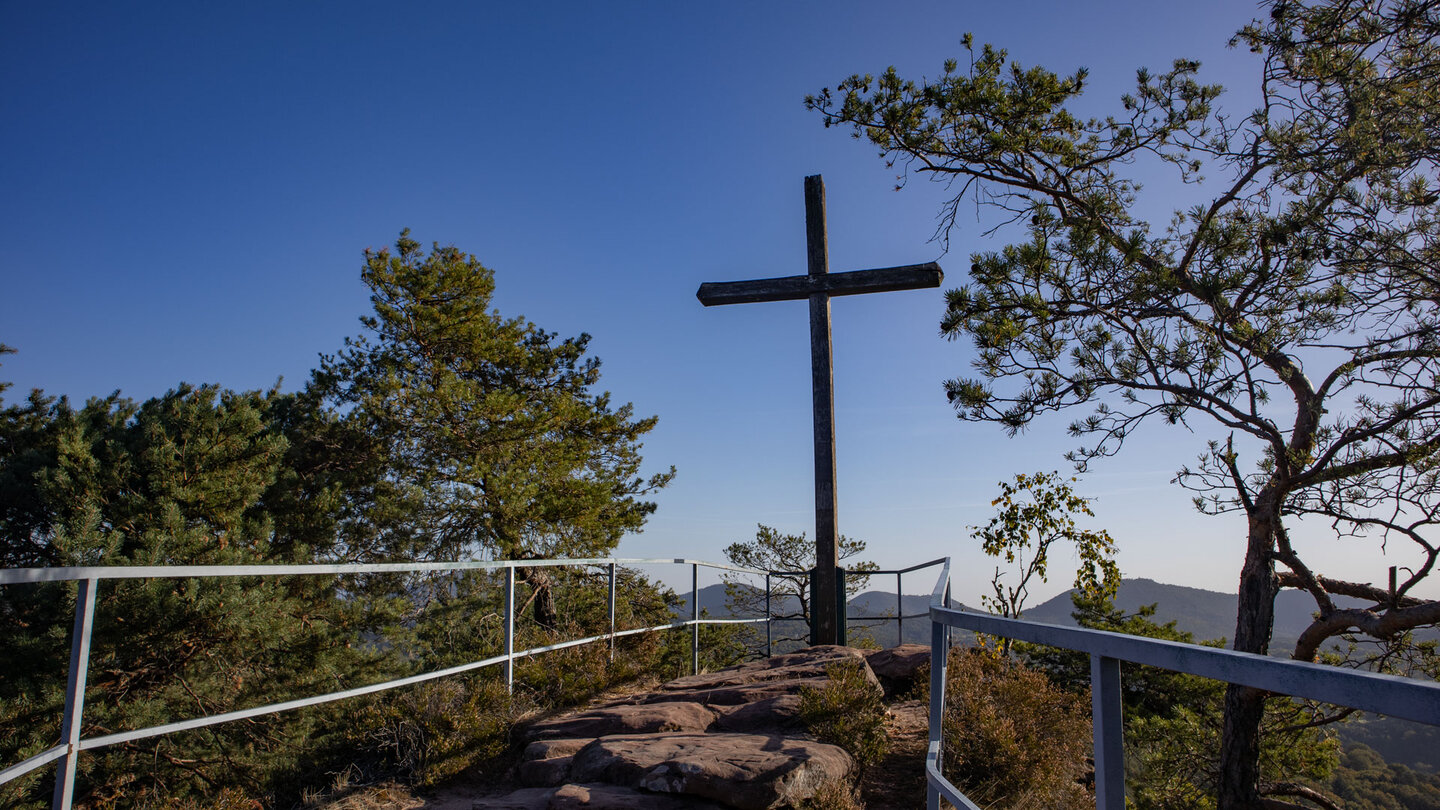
pixel 88 579
pixel 1390 695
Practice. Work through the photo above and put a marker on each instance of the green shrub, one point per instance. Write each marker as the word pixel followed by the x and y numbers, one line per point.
pixel 835 794
pixel 848 712
pixel 431 732
pixel 1012 740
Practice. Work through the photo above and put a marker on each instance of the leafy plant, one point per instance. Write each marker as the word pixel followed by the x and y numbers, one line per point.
pixel 1011 739
pixel 847 711
pixel 1034 513
pixel 1291 310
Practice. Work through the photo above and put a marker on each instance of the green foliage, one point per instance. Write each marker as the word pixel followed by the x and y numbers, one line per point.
pixel 1292 310
pixel 847 711
pixel 431 732
pixel 1035 512
pixel 835 794
pixel 790 593
pixel 177 479
pixel 1011 739
pixel 1363 780
pixel 450 431
pixel 1173 721
pixel 492 423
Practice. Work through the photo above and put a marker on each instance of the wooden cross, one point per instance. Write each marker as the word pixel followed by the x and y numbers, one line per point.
pixel 819 285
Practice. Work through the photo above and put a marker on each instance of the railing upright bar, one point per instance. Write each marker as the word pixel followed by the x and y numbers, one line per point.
pixel 939 660
pixel 768 650
pixel 510 631
pixel 1107 720
pixel 612 612
pixel 695 618
pixel 899 608
pixel 75 691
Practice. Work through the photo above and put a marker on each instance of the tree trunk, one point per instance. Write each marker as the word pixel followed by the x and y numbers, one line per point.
pixel 1254 620
pixel 543 604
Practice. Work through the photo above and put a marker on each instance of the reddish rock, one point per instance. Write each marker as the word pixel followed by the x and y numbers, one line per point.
pixel 526 799
pixel 771 714
pixel 544 772
pixel 550 749
pixel 546 763
pixel 807 663
pixel 625 719
pixel 897 667
pixel 611 797
pixel 595 797
pixel 741 694
pixel 746 771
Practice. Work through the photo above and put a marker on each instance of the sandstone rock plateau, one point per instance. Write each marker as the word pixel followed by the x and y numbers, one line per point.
pixel 726 739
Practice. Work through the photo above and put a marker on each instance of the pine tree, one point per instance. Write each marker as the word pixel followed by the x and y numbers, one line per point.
pixel 1294 312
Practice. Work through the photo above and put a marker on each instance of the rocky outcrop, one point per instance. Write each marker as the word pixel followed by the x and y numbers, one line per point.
pixel 897 667
pixel 746 771
pixel 726 739
pixel 594 797
pixel 626 719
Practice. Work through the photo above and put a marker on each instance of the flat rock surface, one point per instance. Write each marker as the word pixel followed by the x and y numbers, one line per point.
pixel 625 719
pixel 741 693
pixel 778 713
pixel 726 739
pixel 808 663
pixel 596 797
pixel 747 771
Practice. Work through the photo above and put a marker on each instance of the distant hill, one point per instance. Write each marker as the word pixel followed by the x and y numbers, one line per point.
pixel 1207 614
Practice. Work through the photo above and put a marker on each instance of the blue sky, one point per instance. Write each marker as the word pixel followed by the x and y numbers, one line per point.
pixel 187 189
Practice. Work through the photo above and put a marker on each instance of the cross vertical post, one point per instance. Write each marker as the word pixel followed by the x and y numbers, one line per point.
pixel 822 387
pixel 817 286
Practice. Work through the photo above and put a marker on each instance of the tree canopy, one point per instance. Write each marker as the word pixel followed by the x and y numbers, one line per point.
pixel 1292 314
pixel 448 431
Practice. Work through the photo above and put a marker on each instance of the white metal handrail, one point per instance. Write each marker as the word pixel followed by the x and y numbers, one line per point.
pixel 87 580
pixel 1405 698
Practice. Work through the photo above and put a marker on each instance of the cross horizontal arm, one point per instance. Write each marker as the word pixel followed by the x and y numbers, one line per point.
pixel 793 288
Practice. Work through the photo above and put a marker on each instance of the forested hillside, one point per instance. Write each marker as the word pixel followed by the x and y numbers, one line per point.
pixel 444 431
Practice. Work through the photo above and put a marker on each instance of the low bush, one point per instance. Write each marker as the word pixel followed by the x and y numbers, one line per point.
pixel 848 712
pixel 430 732
pixel 1012 740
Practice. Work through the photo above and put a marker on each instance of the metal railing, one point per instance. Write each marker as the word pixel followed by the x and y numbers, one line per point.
pixel 843 575
pixel 899 616
pixel 88 580
pixel 1391 695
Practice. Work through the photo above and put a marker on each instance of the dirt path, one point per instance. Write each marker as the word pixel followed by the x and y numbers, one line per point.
pixel 898 780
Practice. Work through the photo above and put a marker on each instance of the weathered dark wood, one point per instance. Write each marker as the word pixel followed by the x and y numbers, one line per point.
pixel 795 288
pixel 822 379
pixel 818 285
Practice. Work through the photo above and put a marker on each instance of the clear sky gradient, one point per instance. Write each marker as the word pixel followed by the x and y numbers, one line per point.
pixel 186 189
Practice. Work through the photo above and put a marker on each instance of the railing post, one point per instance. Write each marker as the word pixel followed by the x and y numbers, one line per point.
pixel 695 618
pixel 899 609
pixel 75 690
pixel 1106 718
pixel 939 661
pixel 510 629
pixel 769 652
pixel 612 612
